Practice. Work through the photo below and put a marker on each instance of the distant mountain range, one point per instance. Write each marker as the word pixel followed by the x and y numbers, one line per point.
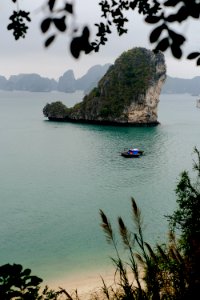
pixel 68 84
pixel 174 85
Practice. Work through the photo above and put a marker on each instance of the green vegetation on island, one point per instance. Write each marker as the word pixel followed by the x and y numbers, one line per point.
pixel 121 91
pixel 56 110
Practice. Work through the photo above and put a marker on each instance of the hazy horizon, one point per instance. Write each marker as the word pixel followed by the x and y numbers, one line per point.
pixel 77 77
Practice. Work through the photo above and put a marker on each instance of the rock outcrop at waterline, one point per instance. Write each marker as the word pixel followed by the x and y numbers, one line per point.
pixel 127 94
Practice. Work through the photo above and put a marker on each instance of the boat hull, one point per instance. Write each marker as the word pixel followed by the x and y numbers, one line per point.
pixel 128 155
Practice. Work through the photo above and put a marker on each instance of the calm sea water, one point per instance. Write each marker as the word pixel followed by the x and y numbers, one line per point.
pixel 54 178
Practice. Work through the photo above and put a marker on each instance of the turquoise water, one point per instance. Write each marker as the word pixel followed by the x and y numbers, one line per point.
pixel 56 176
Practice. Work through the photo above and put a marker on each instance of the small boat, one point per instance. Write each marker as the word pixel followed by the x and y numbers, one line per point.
pixel 198 103
pixel 132 152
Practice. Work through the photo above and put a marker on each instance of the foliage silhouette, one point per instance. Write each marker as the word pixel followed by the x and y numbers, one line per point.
pixel 16 282
pixel 18 23
pixel 187 217
pixel 160 14
pixel 19 284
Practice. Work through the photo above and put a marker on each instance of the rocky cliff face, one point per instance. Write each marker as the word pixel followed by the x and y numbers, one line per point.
pixel 147 111
pixel 128 93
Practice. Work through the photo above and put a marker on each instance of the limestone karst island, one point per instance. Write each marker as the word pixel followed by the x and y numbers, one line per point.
pixel 128 94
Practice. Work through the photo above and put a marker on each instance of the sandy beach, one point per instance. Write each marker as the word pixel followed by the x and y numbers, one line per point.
pixel 86 283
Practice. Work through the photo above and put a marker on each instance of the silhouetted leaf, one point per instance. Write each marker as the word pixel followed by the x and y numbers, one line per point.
pixel 116 13
pixel 60 23
pixel 171 18
pixel 182 14
pixel 198 62
pixel 155 34
pixel 86 32
pixel 193 10
pixel 69 8
pixel 152 19
pixel 10 26
pixel 25 15
pixel 177 38
pixel 15 269
pixel 26 272
pixel 114 3
pixel 133 4
pixel 49 40
pixel 101 29
pixel 45 24
pixel 5 270
pixel 75 47
pixel 171 2
pixel 108 29
pixel 85 40
pixel 122 31
pixel 176 50
pixel 163 45
pixel 155 9
pixel 81 43
pixel 193 55
pixel 34 280
pixel 51 4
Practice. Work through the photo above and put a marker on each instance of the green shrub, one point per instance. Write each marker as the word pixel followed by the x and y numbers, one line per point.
pixel 56 110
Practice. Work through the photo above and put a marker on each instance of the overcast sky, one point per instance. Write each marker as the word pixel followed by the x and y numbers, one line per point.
pixel 29 55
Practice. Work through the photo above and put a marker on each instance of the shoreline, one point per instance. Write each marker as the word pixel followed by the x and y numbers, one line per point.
pixel 103 122
pixel 88 285
pixel 85 282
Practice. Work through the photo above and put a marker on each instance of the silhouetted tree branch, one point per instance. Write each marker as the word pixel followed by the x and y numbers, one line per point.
pixel 155 12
